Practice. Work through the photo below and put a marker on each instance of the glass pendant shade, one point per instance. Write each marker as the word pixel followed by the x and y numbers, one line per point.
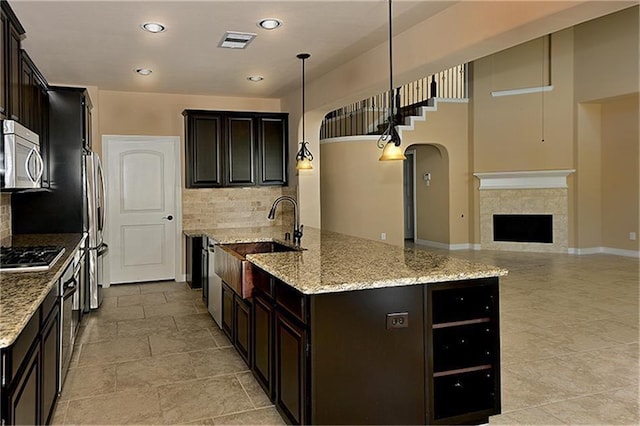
pixel 392 152
pixel 304 164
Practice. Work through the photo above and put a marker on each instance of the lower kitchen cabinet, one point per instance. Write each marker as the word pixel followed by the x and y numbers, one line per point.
pixel 236 322
pixel 50 362
pixel 291 346
pixel 337 358
pixel 30 368
pixel 194 262
pixel 263 323
pixel 23 401
pixel 242 335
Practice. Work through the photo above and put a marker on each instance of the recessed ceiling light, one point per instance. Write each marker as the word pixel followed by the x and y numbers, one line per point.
pixel 153 27
pixel 255 78
pixel 144 71
pixel 269 23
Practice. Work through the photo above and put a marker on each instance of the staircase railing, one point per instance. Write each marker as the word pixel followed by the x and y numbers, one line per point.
pixel 368 116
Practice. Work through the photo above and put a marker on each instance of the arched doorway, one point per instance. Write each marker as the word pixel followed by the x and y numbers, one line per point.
pixel 426 195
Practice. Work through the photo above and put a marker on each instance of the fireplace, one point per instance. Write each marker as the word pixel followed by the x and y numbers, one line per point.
pixel 523 228
pixel 524 211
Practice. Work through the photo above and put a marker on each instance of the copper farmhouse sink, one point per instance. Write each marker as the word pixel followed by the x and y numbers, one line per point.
pixel 236 271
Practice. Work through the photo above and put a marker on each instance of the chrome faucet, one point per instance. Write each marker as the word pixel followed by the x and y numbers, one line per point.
pixel 297 228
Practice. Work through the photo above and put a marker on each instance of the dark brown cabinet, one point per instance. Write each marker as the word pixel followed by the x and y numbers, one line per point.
pixel 10 66
pixel 229 148
pixel 236 322
pixel 50 359
pixel 263 336
pixel 463 342
pixel 194 263
pixel 30 367
pixel 291 344
pixel 24 399
pixel 242 332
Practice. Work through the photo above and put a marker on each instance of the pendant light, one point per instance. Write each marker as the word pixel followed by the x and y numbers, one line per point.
pixel 389 141
pixel 304 156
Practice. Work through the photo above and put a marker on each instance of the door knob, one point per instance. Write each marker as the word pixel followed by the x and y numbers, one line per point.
pixel 168 217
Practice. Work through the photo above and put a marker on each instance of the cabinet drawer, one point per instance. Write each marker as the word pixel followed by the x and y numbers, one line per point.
pixel 20 348
pixel 291 300
pixel 464 393
pixel 463 303
pixel 464 346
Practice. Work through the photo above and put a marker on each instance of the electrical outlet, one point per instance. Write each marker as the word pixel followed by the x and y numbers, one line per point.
pixel 632 236
pixel 383 236
pixel 397 320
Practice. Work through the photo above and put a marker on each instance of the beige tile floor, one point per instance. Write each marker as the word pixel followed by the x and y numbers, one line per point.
pixel 152 355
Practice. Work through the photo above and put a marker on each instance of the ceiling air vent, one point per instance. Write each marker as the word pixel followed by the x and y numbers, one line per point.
pixel 236 40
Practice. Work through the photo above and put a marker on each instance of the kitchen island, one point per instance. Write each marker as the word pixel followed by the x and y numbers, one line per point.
pixel 352 331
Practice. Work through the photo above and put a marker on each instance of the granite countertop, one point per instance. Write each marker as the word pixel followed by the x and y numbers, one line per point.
pixel 21 293
pixel 332 262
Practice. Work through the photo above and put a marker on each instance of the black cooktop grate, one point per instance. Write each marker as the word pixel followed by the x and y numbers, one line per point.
pixel 40 257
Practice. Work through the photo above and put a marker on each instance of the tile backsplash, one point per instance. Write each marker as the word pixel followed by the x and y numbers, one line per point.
pixel 204 208
pixel 5 218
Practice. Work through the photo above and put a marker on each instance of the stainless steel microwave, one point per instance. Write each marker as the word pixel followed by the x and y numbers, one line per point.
pixel 21 164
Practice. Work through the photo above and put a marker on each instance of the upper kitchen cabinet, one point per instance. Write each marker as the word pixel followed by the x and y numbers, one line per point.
pixel 10 59
pixel 227 148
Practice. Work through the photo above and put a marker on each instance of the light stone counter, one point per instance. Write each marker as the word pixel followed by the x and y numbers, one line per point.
pixel 332 262
pixel 21 293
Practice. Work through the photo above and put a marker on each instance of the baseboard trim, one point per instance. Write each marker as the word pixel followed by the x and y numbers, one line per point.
pixel 604 250
pixel 445 246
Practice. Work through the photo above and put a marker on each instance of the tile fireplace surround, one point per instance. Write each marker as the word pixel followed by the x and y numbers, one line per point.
pixel 526 192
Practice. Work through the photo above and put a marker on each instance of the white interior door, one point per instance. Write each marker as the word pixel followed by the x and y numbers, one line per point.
pixel 142 210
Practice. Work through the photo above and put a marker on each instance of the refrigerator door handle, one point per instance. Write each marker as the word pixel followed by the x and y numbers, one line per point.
pixel 101 197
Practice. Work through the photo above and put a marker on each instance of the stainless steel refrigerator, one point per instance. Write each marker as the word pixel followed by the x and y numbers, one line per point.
pixel 73 199
pixel 95 220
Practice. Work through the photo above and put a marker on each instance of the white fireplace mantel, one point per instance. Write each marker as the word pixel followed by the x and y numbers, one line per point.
pixel 539 179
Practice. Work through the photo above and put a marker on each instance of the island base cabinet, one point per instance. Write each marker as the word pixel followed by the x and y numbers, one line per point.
pixel 23 400
pixel 263 319
pixel 291 369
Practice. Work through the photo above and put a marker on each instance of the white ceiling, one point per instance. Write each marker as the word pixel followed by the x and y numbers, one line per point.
pixel 100 43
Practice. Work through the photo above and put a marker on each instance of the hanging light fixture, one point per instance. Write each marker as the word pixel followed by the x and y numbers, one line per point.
pixel 304 156
pixel 389 141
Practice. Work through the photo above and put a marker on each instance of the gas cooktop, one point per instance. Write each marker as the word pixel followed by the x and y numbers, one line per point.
pixel 32 259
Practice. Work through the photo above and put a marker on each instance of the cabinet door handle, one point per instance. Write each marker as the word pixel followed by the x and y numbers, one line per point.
pixel 169 218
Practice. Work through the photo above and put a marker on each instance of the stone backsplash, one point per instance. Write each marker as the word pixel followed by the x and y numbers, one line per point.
pixel 5 218
pixel 205 208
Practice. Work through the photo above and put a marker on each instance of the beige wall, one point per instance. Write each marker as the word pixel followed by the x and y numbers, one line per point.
pixel 432 202
pixel 607 56
pixel 620 156
pixel 361 196
pixel 588 179
pixel 508 130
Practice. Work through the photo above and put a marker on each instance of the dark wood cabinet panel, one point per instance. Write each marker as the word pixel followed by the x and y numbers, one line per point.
pixel 13 68
pixel 231 148
pixel 240 142
pixel 263 316
pixel 27 92
pixel 242 335
pixel 203 150
pixel 291 368
pixel 50 357
pixel 23 400
pixel 227 312
pixel 194 263
pixel 273 143
pixel 4 29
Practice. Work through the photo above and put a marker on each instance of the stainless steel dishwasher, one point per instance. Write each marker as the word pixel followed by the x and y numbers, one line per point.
pixel 70 311
pixel 214 290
